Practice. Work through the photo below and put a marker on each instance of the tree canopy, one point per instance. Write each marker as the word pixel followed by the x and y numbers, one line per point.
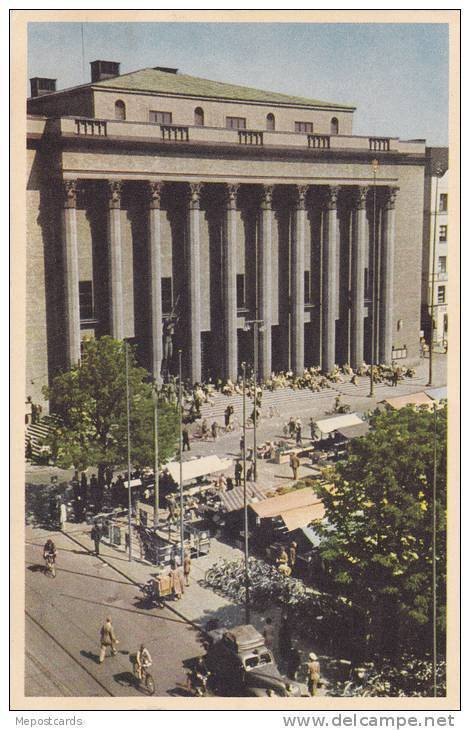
pixel 91 402
pixel 377 541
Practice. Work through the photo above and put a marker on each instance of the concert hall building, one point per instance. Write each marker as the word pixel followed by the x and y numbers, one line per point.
pixel 155 194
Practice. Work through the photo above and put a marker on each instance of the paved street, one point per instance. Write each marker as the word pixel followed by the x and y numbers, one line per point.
pixel 64 616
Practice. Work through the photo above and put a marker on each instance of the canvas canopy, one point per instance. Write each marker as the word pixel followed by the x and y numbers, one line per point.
pixel 437 393
pixel 328 425
pixel 352 432
pixel 234 499
pixel 414 399
pixel 296 509
pixel 195 468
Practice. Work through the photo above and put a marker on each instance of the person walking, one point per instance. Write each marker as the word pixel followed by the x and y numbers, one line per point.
pixel 313 673
pixel 291 423
pixel 177 583
pixel 214 429
pixel 294 464
pixel 238 473
pixel 107 639
pixel 186 445
pixel 298 433
pixel 311 423
pixel 96 535
pixel 187 566
pixel 242 444
pixel 285 636
pixel 268 633
pixel 292 555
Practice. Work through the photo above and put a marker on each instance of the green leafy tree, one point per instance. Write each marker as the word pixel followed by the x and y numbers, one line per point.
pixel 377 542
pixel 91 402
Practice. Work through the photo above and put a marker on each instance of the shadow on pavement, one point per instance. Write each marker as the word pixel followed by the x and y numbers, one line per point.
pixel 89 655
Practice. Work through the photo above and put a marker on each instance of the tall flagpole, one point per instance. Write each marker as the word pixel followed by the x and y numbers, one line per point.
pixel 129 492
pixel 245 505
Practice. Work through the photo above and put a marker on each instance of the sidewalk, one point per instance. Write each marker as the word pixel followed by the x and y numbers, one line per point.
pixel 199 604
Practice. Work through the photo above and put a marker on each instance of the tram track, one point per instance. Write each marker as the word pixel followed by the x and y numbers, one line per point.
pixel 45 671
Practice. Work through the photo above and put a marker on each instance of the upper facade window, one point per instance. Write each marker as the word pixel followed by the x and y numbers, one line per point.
pixel 235 122
pixel 119 110
pixel 199 117
pixel 160 117
pixel 443 202
pixel 334 126
pixel 270 122
pixel 442 234
pixel 306 127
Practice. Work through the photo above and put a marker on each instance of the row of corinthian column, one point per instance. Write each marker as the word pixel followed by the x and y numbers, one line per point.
pixel 330 276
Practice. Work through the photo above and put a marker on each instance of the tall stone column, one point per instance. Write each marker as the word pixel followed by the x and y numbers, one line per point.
pixel 230 284
pixel 155 244
pixel 194 282
pixel 265 282
pixel 330 278
pixel 115 259
pixel 358 268
pixel 298 281
pixel 71 276
pixel 387 278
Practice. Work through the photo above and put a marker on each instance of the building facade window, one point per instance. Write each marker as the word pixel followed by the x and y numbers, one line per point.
pixel 307 288
pixel 120 110
pixel 199 117
pixel 270 122
pixel 334 126
pixel 442 233
pixel 85 297
pixel 442 264
pixel 235 122
pixel 443 202
pixel 241 295
pixel 306 127
pixel 160 117
pixel 167 295
pixel 441 294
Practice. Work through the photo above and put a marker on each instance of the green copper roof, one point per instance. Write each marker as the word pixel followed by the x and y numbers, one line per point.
pixel 149 79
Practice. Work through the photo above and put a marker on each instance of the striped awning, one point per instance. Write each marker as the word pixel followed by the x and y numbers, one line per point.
pixel 233 499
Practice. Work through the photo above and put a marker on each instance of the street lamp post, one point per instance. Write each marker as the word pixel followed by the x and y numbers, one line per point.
pixel 180 408
pixel 434 558
pixel 245 504
pixel 257 325
pixel 438 172
pixel 129 492
pixel 375 167
pixel 156 470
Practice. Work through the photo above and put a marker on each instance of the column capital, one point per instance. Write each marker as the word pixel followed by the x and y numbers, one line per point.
pixel 267 197
pixel 332 192
pixel 195 190
pixel 390 198
pixel 154 189
pixel 361 197
pixel 231 195
pixel 70 190
pixel 114 193
pixel 301 196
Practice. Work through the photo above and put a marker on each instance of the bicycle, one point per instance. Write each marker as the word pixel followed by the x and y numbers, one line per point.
pixel 50 566
pixel 145 679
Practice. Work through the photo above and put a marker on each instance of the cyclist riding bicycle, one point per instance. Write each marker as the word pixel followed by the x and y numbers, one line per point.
pixel 143 660
pixel 49 554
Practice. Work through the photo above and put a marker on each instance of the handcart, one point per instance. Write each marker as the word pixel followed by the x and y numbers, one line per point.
pixel 157 589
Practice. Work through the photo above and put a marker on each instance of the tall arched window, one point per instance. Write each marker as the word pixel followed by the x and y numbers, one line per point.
pixel 334 126
pixel 199 117
pixel 270 122
pixel 119 110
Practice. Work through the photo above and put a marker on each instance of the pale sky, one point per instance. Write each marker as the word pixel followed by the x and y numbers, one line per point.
pixel 395 74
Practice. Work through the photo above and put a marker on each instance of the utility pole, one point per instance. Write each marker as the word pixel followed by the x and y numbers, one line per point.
pixel 375 283
pixel 129 492
pixel 434 557
pixel 245 505
pixel 180 408
pixel 156 469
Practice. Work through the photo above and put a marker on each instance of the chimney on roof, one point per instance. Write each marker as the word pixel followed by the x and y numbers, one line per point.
pixel 104 70
pixel 41 87
pixel 165 69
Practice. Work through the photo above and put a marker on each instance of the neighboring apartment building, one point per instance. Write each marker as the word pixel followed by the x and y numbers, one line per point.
pixel 155 193
pixel 435 239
